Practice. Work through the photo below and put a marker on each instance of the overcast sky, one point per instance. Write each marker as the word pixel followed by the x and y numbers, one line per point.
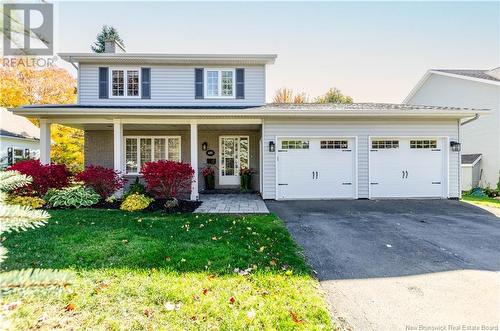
pixel 372 51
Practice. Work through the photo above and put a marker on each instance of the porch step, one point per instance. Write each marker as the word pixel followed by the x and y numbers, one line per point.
pixel 226 191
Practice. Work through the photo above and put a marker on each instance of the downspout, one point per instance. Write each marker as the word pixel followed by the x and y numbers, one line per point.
pixel 470 119
pixel 460 154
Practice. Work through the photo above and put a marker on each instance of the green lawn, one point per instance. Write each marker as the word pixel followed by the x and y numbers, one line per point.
pixel 482 201
pixel 151 271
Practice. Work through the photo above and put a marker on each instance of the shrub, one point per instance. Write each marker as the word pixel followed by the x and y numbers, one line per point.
pixel 72 197
pixel 44 177
pixel 165 179
pixel 135 187
pixel 135 202
pixel 103 181
pixel 32 202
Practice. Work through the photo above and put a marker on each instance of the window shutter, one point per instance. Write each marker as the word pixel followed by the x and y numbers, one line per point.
pixel 146 83
pixel 198 83
pixel 240 83
pixel 103 82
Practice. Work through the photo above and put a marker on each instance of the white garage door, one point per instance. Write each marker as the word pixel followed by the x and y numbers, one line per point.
pixel 407 168
pixel 316 168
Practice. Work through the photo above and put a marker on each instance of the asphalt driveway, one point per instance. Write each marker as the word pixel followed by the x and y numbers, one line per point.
pixel 401 264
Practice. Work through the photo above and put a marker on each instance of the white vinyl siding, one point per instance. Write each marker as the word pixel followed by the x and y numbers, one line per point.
pixel 362 129
pixel 174 86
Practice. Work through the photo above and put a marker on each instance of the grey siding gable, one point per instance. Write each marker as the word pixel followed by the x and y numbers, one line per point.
pixel 172 85
pixel 363 130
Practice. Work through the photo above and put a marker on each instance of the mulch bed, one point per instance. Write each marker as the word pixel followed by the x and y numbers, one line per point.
pixel 185 206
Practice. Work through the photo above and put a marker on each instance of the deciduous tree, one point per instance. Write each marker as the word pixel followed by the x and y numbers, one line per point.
pixel 27 86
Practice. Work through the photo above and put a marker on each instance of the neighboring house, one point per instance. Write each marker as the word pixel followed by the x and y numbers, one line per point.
pixel 210 108
pixel 19 138
pixel 469 89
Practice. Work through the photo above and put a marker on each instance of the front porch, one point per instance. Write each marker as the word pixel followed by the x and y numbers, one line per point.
pixel 124 144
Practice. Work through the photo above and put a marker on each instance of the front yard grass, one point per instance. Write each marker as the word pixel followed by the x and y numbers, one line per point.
pixel 175 272
pixel 490 202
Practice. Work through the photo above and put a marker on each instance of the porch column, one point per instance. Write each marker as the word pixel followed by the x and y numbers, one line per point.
pixel 194 159
pixel 44 141
pixel 118 148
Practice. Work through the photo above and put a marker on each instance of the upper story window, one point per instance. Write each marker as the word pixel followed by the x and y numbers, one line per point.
pixel 219 83
pixel 125 83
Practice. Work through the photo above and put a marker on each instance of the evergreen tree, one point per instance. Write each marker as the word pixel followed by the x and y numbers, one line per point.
pixel 107 33
pixel 21 218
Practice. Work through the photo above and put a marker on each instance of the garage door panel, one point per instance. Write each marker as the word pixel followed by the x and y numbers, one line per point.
pixel 322 171
pixel 410 168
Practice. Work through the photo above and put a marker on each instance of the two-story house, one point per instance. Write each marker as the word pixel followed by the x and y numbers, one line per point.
pixel 480 138
pixel 210 108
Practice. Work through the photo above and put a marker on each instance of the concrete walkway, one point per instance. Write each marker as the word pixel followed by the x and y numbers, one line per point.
pixel 232 204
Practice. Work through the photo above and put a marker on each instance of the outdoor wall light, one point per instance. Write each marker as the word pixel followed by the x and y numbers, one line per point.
pixel 271 146
pixel 204 146
pixel 455 146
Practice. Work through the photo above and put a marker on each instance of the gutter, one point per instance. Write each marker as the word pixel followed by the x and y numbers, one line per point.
pixel 470 119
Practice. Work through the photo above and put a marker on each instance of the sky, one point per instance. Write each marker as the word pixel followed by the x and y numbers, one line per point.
pixel 371 51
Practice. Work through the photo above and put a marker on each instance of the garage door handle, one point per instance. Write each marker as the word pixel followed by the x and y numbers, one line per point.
pixel 436 182
pixel 373 183
pixel 406 173
pixel 316 175
pixel 282 184
pixel 346 183
pixel 346 150
pixel 313 174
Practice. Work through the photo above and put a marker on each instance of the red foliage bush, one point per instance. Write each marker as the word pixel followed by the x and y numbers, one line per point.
pixel 104 181
pixel 165 179
pixel 44 177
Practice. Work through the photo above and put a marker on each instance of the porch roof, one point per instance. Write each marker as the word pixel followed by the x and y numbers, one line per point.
pixel 269 110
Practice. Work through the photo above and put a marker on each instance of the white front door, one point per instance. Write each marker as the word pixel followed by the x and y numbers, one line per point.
pixel 316 168
pixel 407 168
pixel 234 155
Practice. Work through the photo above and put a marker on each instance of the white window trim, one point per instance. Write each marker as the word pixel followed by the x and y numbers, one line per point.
pixel 138 156
pixel 125 78
pixel 219 70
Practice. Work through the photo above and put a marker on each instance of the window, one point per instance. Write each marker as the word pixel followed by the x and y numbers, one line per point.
pixel 125 83
pixel 139 150
pixel 219 83
pixel 334 144
pixel 423 144
pixel 18 155
pixel 295 144
pixel 385 144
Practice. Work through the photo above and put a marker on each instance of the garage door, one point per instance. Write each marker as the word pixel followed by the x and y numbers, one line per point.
pixel 407 168
pixel 316 168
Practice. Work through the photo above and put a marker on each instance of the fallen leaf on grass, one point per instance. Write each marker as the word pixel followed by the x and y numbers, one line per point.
pixel 251 314
pixel 295 318
pixel 205 291
pixel 172 306
pixel 232 300
pixel 125 241
pixel 148 312
pixel 70 307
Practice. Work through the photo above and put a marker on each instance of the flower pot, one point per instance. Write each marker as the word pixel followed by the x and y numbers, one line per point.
pixel 209 182
pixel 245 182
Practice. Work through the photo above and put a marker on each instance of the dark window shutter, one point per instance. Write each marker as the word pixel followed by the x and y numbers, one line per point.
pixel 103 82
pixel 146 83
pixel 240 83
pixel 198 83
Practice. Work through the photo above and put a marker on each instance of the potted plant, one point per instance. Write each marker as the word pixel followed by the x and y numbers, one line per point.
pixel 208 173
pixel 245 178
